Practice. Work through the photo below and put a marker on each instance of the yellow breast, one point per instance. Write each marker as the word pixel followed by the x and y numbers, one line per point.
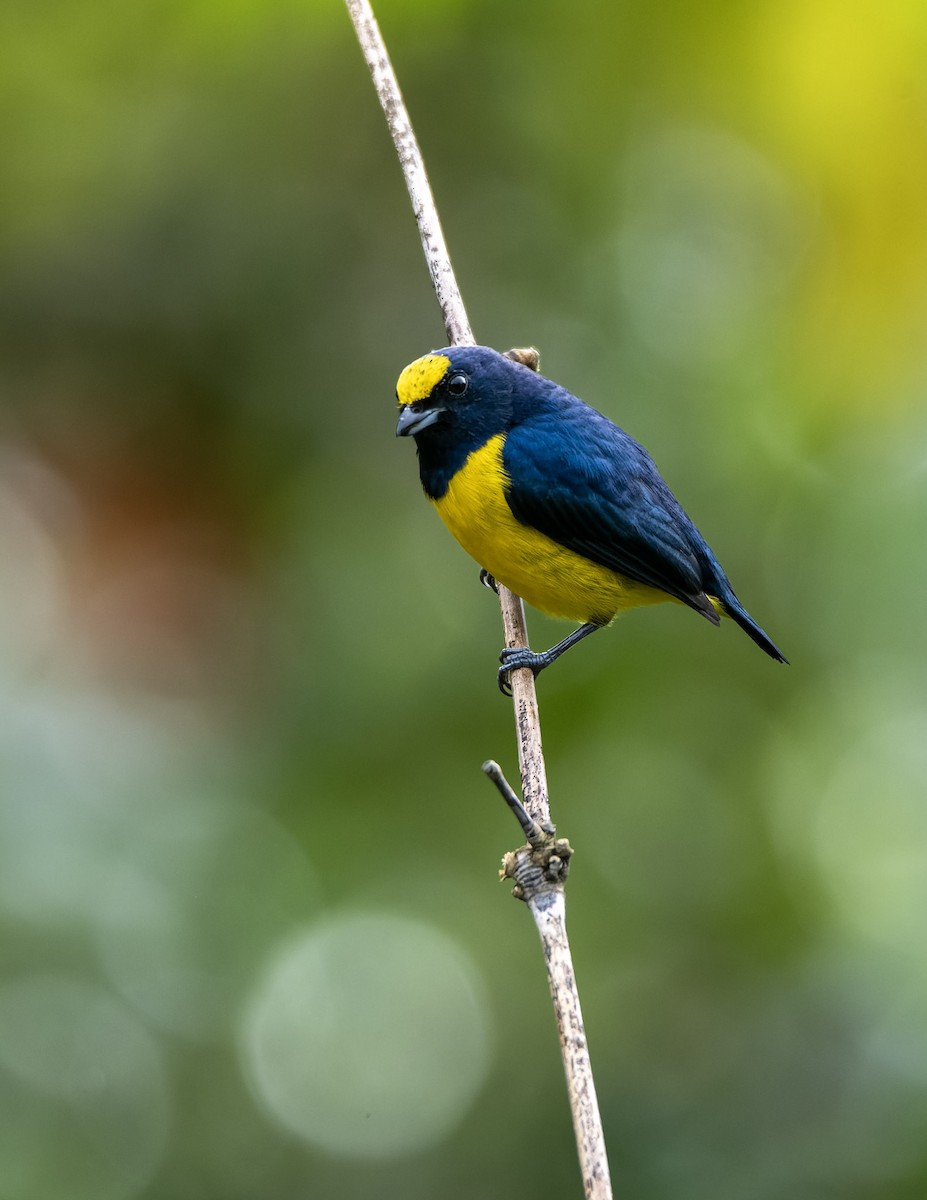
pixel 545 574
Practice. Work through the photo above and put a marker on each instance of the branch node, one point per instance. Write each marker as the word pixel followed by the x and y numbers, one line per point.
pixel 544 863
pixel 538 870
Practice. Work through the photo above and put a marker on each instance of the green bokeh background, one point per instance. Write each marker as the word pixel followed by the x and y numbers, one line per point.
pixel 252 943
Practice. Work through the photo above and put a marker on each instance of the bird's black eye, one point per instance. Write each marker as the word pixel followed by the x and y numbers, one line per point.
pixel 458 384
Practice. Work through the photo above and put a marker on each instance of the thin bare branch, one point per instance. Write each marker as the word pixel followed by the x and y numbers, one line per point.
pixel 540 871
pixel 527 717
pixel 549 912
pixel 413 170
pixel 540 868
pixel 457 324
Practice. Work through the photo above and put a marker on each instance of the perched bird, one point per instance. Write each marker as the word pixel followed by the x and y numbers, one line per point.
pixel 554 500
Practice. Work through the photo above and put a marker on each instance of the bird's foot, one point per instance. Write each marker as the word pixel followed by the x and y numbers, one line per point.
pixel 489 581
pixel 514 659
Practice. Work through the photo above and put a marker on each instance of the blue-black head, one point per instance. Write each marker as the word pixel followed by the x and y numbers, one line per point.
pixel 461 395
pixel 453 401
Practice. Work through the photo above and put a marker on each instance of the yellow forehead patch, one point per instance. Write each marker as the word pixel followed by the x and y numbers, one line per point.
pixel 419 378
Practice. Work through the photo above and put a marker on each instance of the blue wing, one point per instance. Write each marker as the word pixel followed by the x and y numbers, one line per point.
pixel 580 480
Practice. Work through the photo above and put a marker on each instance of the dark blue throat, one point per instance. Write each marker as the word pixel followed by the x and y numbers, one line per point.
pixel 442 451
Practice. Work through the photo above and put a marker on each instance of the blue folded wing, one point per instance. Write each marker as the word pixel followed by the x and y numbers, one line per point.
pixel 580 480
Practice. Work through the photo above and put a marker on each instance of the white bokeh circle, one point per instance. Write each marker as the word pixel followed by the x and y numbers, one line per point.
pixel 368 1035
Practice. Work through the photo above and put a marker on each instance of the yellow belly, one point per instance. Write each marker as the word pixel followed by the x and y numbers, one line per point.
pixel 545 574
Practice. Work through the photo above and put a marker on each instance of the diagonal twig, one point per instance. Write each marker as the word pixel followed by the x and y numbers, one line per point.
pixel 540 868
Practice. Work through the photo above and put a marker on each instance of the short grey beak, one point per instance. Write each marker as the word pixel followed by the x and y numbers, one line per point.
pixel 412 422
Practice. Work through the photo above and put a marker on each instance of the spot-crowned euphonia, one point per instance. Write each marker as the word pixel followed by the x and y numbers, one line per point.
pixel 553 500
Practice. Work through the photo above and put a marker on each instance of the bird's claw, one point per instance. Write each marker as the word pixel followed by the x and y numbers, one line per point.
pixel 489 581
pixel 513 659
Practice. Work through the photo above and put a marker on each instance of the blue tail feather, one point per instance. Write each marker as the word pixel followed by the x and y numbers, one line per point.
pixel 736 611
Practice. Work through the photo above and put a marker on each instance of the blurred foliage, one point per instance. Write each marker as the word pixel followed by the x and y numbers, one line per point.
pixel 252 941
